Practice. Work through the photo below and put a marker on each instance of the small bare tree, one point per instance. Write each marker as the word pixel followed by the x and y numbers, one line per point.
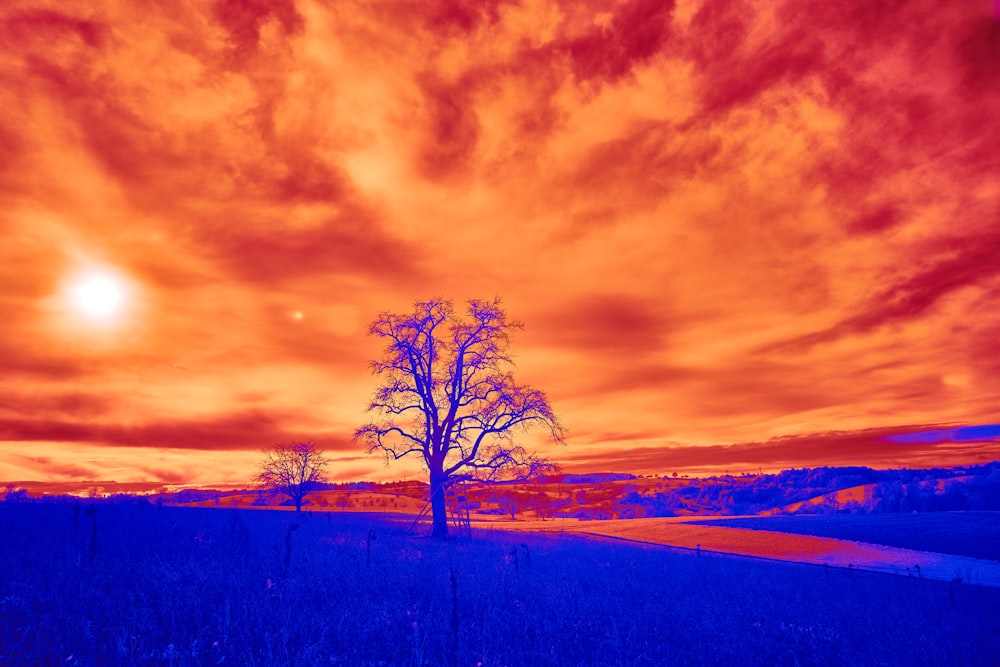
pixel 294 469
pixel 448 396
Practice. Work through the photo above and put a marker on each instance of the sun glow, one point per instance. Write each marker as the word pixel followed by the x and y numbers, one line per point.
pixel 98 296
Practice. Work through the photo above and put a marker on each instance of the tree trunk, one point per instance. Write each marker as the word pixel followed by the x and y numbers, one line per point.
pixel 298 504
pixel 439 512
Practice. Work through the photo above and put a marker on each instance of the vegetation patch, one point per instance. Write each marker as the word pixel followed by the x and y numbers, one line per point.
pixel 133 584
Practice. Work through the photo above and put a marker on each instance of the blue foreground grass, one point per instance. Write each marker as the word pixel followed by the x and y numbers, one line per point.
pixel 973 534
pixel 186 587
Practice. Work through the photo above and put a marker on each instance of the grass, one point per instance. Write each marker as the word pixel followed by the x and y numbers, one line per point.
pixel 974 534
pixel 184 587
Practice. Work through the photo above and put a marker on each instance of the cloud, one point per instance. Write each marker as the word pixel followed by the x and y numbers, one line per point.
pixel 976 49
pixel 42 367
pixel 634 33
pixel 244 20
pixel 740 83
pixel 876 221
pixel 166 475
pixel 274 253
pixel 646 161
pixel 60 468
pixel 38 26
pixel 721 221
pixel 76 403
pixel 979 433
pixel 452 131
pixel 606 324
pixel 451 18
pixel 878 448
pixel 958 263
pixel 248 429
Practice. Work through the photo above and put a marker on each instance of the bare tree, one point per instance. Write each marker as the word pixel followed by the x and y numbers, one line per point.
pixel 294 469
pixel 447 395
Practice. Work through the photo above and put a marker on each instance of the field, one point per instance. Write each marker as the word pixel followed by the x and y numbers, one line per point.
pixel 716 536
pixel 975 534
pixel 182 586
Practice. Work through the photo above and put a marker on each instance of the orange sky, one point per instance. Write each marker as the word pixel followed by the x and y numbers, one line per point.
pixel 740 235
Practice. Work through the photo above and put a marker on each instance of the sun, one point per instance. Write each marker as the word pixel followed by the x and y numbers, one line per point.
pixel 98 296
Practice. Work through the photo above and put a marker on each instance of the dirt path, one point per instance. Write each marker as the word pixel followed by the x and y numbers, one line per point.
pixel 780 546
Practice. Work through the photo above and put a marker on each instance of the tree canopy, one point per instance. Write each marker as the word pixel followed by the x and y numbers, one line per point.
pixel 294 469
pixel 447 394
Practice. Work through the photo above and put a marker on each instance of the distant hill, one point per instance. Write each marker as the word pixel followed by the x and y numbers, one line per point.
pixel 621 495
pixel 827 490
pixel 835 501
pixel 808 490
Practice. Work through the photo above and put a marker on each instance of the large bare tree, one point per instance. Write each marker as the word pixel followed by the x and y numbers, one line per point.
pixel 294 469
pixel 447 394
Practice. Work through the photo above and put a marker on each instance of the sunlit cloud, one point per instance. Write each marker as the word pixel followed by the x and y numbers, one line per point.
pixel 720 223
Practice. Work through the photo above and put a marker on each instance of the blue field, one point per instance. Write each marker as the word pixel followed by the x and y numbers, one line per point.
pixel 180 587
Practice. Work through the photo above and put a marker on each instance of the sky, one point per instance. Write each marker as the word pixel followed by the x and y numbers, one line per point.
pixel 741 236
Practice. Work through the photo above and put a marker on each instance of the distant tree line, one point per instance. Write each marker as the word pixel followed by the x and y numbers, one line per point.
pixel 930 490
pixel 622 496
